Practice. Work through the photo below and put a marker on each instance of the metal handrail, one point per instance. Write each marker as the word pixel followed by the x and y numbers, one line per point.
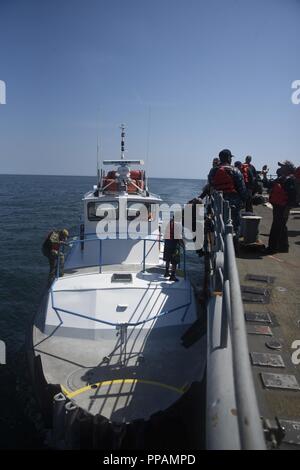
pixel 100 240
pixel 233 320
pixel 115 324
pixel 104 322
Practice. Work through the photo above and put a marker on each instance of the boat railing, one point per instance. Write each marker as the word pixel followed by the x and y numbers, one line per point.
pixel 230 387
pixel 92 238
pixel 123 326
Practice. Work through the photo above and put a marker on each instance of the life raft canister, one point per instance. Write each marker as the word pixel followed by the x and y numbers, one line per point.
pixel 223 180
pixel 278 195
pixel 245 172
pixel 136 174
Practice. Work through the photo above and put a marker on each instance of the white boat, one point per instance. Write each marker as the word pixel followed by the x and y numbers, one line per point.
pixel 107 345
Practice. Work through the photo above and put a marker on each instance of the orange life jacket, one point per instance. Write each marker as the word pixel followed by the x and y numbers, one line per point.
pixel 245 172
pixel 278 195
pixel 223 180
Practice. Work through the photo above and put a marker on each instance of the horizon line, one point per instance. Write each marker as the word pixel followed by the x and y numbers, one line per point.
pixel 91 176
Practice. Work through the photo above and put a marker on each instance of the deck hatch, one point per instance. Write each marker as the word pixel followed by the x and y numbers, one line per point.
pixel 121 277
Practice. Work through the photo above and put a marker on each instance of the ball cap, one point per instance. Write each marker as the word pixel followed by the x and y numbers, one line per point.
pixel 225 154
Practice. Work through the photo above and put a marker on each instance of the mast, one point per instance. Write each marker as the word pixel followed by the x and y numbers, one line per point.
pixel 98 170
pixel 122 141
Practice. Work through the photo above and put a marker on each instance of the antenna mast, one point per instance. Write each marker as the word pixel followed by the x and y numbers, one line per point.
pixel 98 170
pixel 122 141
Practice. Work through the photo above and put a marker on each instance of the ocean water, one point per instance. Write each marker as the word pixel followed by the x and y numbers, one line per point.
pixel 31 206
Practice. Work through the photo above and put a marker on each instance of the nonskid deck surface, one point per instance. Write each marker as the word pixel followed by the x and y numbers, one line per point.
pixel 126 268
pixel 274 320
pixel 123 382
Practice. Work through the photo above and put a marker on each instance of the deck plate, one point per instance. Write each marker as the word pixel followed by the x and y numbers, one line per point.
pixel 258 317
pixel 266 359
pixel 259 330
pixel 255 295
pixel 280 381
pixel 260 278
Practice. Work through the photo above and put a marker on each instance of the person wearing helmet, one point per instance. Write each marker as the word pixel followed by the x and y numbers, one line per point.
pixel 51 249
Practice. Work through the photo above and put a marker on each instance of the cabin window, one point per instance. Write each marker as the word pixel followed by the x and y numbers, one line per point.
pixel 100 210
pixel 138 209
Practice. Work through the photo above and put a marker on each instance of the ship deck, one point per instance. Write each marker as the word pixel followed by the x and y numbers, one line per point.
pixel 273 321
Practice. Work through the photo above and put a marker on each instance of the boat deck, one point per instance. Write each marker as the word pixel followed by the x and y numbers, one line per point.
pixel 122 378
pixel 273 322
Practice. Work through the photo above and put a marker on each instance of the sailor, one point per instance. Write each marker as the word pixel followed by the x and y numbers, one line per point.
pixel 171 252
pixel 282 197
pixel 249 173
pixel 51 250
pixel 248 161
pixel 239 166
pixel 229 180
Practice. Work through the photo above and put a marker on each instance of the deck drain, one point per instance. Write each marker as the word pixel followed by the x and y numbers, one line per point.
pixel 274 344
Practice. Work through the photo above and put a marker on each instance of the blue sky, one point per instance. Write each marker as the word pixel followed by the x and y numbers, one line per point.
pixel 189 76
